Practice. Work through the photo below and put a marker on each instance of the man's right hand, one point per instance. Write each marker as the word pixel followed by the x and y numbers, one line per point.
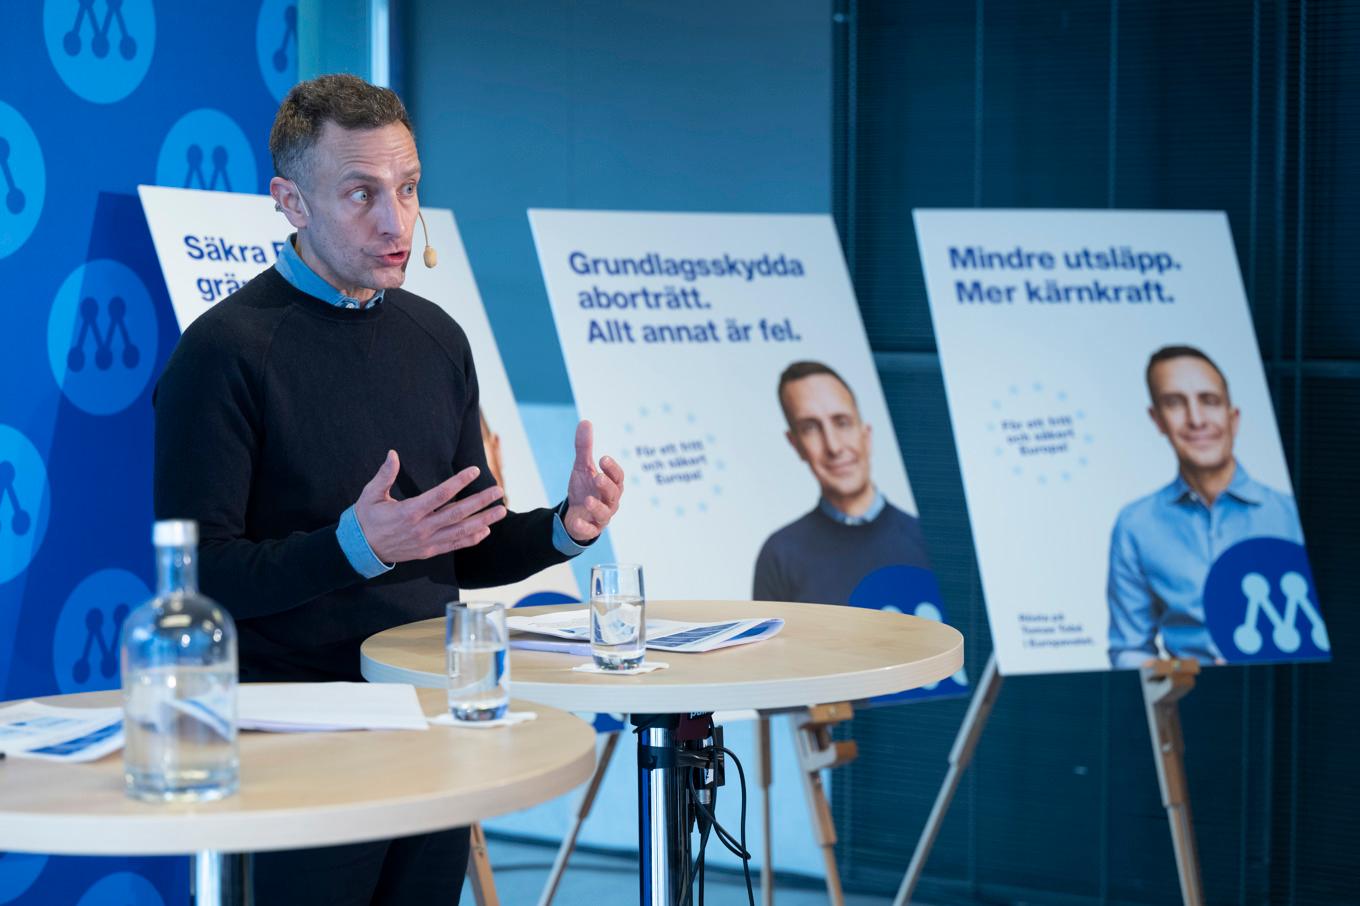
pixel 428 525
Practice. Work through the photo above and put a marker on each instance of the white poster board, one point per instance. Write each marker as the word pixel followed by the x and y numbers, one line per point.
pixel 1111 527
pixel 210 243
pixel 676 330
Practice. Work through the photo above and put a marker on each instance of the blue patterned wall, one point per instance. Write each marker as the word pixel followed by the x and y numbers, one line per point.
pixel 97 96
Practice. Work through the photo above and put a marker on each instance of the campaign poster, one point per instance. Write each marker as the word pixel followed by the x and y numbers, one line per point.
pixel 211 243
pixel 723 361
pixel 1124 474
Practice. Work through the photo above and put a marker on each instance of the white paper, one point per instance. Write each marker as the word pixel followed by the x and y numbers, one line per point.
pixel 644 667
pixel 663 635
pixel 509 720
pixel 33 730
pixel 312 707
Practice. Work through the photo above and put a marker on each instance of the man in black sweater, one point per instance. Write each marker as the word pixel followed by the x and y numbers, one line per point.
pixel 271 418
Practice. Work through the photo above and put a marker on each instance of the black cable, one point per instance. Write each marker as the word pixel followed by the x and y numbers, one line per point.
pixel 707 819
pixel 689 871
pixel 692 791
pixel 737 848
pixel 703 847
pixel 746 859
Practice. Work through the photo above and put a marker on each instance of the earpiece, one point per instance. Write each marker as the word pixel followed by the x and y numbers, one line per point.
pixel 431 257
pixel 278 207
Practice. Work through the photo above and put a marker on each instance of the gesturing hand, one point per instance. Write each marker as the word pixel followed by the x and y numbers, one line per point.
pixel 428 525
pixel 592 497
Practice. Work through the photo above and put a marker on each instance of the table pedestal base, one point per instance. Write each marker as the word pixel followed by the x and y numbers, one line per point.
pixel 219 879
pixel 665 814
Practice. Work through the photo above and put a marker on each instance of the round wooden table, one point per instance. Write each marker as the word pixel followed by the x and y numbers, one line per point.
pixel 823 654
pixel 299 790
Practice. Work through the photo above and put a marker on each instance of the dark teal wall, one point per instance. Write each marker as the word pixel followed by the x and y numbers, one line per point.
pixel 695 106
pixel 1248 107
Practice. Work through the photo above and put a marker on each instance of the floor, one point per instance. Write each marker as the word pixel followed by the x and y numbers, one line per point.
pixel 595 879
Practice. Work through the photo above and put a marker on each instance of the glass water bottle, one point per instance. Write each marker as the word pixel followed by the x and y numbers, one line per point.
pixel 178 654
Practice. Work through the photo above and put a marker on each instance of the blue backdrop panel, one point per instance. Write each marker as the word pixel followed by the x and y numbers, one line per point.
pixel 97 96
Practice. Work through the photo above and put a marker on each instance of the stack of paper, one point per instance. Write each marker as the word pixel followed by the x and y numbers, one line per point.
pixel 33 730
pixel 684 636
pixel 302 707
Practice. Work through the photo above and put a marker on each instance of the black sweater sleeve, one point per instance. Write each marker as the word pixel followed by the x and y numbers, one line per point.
pixel 521 543
pixel 207 440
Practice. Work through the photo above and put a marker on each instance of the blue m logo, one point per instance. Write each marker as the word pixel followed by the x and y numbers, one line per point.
pixel 103 343
pixel 102 49
pixel 1260 604
pixel 72 41
pixel 15 201
pixel 1285 632
pixel 85 639
pixel 21 520
pixel 24 503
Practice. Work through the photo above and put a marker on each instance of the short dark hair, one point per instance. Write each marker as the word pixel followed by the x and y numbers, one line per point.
pixel 1167 353
pixel 346 100
pixel 799 370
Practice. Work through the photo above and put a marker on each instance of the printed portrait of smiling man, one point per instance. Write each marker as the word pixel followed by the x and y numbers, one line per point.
pixel 1164 544
pixel 853 530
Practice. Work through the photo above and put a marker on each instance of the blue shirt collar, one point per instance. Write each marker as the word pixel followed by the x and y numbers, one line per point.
pixel 292 268
pixel 1242 487
pixel 868 516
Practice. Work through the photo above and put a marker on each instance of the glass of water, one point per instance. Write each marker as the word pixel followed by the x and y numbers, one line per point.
pixel 476 644
pixel 618 629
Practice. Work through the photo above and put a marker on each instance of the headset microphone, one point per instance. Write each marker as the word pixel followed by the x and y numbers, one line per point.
pixel 431 257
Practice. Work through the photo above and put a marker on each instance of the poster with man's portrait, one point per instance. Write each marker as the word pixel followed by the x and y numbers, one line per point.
pixel 723 358
pixel 1126 483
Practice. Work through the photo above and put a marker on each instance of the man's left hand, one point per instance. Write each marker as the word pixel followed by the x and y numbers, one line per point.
pixel 592 495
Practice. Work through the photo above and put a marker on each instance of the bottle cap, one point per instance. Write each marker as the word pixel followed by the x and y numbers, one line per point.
pixel 174 533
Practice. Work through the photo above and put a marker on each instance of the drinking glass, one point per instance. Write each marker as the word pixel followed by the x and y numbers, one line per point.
pixel 618 626
pixel 476 644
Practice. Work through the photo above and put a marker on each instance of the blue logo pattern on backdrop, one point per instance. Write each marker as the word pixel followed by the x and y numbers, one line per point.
pixel 276 45
pixel 100 48
pixel 23 180
pixel 122 889
pixel 85 644
pixel 1260 604
pixel 24 502
pixel 18 871
pixel 81 271
pixel 205 149
pixel 101 337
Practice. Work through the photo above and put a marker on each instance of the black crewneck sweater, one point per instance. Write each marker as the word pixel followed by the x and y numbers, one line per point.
pixel 273 412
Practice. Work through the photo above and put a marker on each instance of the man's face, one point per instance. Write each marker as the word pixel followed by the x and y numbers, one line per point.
pixel 361 202
pixel 825 429
pixel 1191 407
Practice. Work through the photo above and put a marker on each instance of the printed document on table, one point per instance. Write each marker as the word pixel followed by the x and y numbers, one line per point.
pixel 313 707
pixel 34 730
pixel 682 636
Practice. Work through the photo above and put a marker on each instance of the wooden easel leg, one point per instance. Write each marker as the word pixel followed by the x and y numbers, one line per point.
pixel 1165 683
pixel 582 812
pixel 764 777
pixel 970 731
pixel 817 751
pixel 479 871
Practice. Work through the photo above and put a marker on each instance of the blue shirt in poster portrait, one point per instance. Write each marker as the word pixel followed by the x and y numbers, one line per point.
pixel 1160 554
